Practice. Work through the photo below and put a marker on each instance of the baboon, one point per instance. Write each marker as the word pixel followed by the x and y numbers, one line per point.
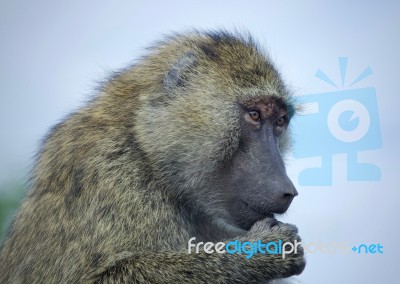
pixel 186 142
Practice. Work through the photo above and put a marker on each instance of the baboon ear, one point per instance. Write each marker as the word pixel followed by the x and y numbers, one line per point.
pixel 177 74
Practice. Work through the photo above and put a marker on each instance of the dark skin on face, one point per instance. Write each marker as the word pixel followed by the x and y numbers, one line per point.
pixel 256 177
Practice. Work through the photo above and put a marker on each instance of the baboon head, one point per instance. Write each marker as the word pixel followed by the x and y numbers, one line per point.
pixel 214 127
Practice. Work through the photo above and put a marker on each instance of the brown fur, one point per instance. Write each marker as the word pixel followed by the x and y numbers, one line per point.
pixel 105 191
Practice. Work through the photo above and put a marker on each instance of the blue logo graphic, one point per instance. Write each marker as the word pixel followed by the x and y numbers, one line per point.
pixel 338 122
pixel 368 249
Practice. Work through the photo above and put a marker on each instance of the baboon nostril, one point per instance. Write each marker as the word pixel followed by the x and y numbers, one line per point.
pixel 289 195
pixel 290 191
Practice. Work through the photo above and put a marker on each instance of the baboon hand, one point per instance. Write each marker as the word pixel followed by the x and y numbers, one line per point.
pixel 291 259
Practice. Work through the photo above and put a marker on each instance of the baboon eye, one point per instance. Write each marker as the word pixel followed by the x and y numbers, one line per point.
pixel 255 115
pixel 280 121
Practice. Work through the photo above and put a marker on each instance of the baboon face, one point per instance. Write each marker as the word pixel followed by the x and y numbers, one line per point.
pixel 220 124
pixel 255 178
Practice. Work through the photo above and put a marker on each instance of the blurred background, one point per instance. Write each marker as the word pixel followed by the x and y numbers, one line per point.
pixel 52 54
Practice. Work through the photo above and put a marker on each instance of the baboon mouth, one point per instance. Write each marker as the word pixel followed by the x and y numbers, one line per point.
pixel 258 211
